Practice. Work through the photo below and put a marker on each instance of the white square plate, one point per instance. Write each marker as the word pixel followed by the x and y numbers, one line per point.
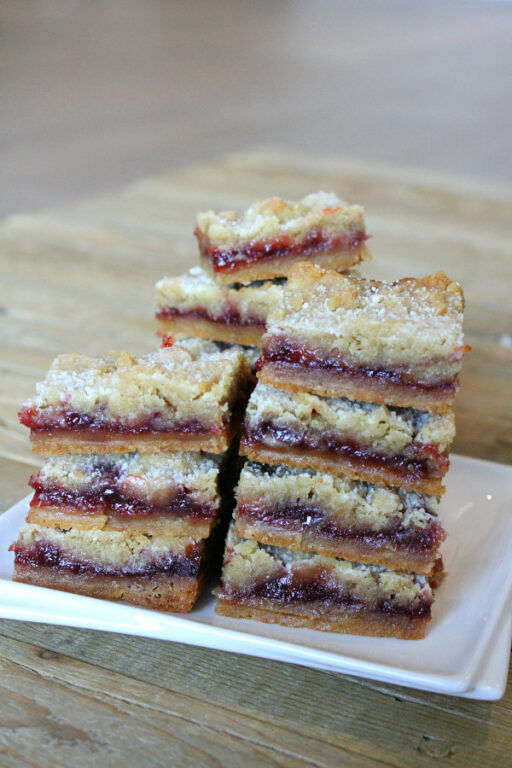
pixel 467 648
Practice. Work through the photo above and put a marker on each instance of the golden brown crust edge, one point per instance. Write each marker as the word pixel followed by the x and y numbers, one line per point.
pixel 353 551
pixel 50 444
pixel 333 620
pixel 155 524
pixel 161 593
pixel 339 467
pixel 183 327
pixel 328 384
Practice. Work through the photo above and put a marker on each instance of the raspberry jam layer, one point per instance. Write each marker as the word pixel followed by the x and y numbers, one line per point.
pixel 301 518
pixel 308 588
pixel 45 554
pixel 315 242
pixel 62 419
pixel 106 497
pixel 290 355
pixel 229 316
pixel 425 462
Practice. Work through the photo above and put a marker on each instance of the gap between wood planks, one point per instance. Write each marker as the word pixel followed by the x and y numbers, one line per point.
pixel 432 701
pixel 79 676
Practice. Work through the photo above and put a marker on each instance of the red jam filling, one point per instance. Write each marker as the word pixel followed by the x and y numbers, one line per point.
pixel 110 498
pixel 301 518
pixel 229 316
pixel 315 242
pixel 168 341
pixel 426 462
pixel 45 554
pixel 293 587
pixel 287 353
pixel 62 418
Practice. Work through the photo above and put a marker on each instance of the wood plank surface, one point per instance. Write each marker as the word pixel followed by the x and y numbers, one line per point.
pixel 82 278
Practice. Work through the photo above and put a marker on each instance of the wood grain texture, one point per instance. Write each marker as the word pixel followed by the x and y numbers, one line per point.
pixel 82 278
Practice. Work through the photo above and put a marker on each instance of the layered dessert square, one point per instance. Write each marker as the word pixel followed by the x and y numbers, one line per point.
pixel 270 236
pixel 184 397
pixel 376 443
pixel 306 589
pixel 194 305
pixel 158 571
pixel 397 343
pixel 181 494
pixel 335 516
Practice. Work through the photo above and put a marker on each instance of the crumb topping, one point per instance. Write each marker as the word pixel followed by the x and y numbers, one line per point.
pixel 414 319
pixel 145 476
pixel 197 289
pixel 106 547
pixel 193 379
pixel 387 429
pixel 353 502
pixel 268 219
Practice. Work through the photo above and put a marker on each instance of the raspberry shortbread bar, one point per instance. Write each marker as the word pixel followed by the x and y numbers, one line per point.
pixel 183 397
pixel 194 305
pixel 153 493
pixel 375 443
pixel 155 571
pixel 334 516
pixel 397 343
pixel 306 589
pixel 270 236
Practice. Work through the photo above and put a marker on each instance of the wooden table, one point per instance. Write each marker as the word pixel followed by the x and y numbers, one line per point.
pixel 81 279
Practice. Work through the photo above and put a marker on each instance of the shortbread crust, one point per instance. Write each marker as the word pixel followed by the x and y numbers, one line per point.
pixel 174 594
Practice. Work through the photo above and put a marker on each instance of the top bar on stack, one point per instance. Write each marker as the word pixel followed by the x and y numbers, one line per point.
pixel 270 236
pixel 397 344
pixel 185 397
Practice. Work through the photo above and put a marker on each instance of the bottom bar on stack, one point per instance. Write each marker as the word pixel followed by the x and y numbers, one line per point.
pixel 159 571
pixel 306 589
pixel 145 528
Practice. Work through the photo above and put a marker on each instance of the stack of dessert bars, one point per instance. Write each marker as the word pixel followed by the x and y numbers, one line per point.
pixel 137 479
pixel 347 434
pixel 245 260
pixel 142 454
